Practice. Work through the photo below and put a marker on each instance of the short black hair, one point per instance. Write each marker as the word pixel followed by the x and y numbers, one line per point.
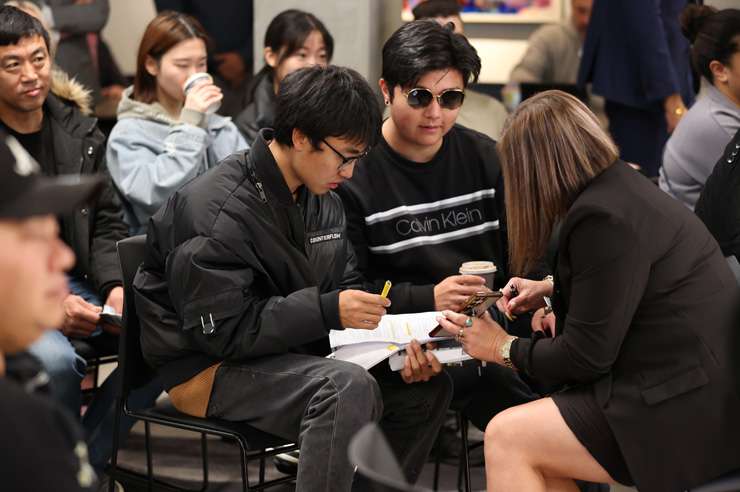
pixel 327 102
pixel 15 25
pixel 422 46
pixel 430 9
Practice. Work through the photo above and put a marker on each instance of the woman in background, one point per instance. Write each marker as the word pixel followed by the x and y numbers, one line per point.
pixel 294 40
pixel 708 126
pixel 645 348
pixel 164 138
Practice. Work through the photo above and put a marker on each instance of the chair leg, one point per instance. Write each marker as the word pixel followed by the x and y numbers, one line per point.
pixel 244 461
pixel 114 454
pixel 464 468
pixel 204 459
pixel 262 469
pixel 96 373
pixel 147 446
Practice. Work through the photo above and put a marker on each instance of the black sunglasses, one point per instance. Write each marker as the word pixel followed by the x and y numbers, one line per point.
pixel 421 98
pixel 346 161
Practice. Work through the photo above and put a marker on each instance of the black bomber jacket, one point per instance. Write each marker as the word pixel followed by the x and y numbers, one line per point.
pixel 237 269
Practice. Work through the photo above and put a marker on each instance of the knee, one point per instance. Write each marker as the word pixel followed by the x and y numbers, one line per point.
pixel 356 388
pixel 438 394
pixel 58 358
pixel 501 434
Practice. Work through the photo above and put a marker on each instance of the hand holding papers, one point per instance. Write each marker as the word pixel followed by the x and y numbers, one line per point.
pixel 369 347
pixel 394 332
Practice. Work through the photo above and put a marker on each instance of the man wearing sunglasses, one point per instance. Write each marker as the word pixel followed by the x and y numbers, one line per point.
pixel 249 267
pixel 429 196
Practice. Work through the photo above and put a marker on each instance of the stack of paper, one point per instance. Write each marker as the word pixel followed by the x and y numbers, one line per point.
pixel 369 347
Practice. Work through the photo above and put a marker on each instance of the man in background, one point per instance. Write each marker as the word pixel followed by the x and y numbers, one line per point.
pixel 554 51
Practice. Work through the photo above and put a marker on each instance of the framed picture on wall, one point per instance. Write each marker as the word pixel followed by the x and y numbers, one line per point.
pixel 501 11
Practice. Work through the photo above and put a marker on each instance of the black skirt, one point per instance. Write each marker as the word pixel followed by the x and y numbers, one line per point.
pixel 584 417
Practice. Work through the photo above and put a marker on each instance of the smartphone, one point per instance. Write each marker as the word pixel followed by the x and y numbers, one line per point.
pixel 475 306
pixel 112 319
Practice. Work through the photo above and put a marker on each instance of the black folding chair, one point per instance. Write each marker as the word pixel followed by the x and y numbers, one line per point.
pixel 134 373
pixel 370 452
pixel 94 358
pixel 726 483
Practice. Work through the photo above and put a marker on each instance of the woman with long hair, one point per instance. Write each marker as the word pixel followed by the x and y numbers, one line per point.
pixel 165 137
pixel 697 142
pixel 293 40
pixel 645 347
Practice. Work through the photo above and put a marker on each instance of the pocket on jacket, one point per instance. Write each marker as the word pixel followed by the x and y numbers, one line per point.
pixel 677 385
pixel 205 312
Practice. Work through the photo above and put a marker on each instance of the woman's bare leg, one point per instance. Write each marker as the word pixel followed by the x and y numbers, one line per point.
pixel 530 447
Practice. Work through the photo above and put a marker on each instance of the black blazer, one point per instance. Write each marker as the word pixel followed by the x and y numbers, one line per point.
pixel 646 316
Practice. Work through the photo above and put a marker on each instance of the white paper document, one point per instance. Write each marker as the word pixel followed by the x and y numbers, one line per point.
pixel 367 348
pixel 366 354
pixel 393 328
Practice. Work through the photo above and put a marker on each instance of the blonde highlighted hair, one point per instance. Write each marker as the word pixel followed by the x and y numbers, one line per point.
pixel 552 146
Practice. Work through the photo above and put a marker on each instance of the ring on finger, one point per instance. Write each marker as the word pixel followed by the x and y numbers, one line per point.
pixel 468 322
pixel 461 334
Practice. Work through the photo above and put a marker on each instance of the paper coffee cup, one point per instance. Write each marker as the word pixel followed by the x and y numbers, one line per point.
pixel 197 79
pixel 485 269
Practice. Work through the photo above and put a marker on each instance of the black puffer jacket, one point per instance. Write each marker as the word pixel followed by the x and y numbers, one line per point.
pixel 236 269
pixel 260 112
pixel 79 148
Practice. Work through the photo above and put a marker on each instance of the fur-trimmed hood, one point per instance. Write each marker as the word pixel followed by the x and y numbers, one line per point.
pixel 65 87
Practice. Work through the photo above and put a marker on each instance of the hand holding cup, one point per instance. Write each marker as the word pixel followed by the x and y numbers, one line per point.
pixel 201 94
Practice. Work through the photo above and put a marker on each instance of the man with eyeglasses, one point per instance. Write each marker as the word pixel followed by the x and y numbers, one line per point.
pixel 249 267
pixel 429 196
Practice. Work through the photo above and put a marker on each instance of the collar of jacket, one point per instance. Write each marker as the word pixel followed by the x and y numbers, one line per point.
pixel 267 169
pixel 264 102
pixel 129 107
pixel 69 117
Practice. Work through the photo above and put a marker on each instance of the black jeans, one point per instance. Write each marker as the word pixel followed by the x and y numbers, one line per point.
pixel 482 392
pixel 321 403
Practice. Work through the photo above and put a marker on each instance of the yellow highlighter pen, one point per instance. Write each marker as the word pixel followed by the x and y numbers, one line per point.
pixel 386 289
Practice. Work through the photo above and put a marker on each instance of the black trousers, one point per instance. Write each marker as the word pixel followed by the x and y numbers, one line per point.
pixel 321 403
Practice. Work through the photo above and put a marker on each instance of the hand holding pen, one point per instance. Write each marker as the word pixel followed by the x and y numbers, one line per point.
pixel 358 309
pixel 521 295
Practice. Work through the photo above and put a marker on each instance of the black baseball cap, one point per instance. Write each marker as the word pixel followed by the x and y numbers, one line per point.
pixel 25 192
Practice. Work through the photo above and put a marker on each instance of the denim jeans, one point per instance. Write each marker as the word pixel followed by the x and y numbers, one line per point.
pixel 66 370
pixel 59 359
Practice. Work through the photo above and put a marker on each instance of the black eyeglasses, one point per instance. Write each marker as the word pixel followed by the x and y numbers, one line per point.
pixel 421 98
pixel 346 161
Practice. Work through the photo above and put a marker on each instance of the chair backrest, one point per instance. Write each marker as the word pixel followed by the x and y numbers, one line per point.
pixel 370 452
pixel 131 365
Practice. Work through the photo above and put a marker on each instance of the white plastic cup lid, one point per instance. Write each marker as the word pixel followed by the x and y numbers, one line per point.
pixel 477 268
pixel 196 79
